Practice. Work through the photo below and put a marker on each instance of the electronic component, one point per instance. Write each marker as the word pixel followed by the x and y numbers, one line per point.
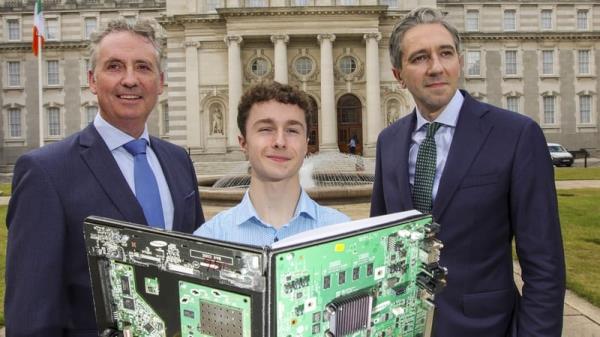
pixel 377 281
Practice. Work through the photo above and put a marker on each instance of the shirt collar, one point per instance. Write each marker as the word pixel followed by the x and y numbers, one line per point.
pixel 113 137
pixel 247 212
pixel 449 115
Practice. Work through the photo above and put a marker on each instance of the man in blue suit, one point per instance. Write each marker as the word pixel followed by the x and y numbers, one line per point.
pixel 491 180
pixel 48 290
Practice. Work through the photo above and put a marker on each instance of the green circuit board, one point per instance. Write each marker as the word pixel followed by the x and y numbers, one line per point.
pixel 374 284
pixel 133 313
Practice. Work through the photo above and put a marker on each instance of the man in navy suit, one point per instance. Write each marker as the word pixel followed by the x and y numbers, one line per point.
pixel 493 182
pixel 48 291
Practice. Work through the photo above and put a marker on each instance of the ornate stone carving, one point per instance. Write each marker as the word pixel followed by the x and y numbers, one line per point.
pixel 283 37
pixel 376 36
pixel 353 76
pixel 322 37
pixel 229 39
pixel 216 119
pixel 191 44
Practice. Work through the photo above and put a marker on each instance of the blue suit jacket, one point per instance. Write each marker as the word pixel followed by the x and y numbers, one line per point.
pixel 48 290
pixel 498 183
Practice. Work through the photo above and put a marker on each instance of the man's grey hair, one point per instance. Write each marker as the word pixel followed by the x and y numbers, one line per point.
pixel 146 28
pixel 418 16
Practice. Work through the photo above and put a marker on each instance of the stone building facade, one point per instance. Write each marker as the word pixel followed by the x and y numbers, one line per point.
pixel 538 58
pixel 68 104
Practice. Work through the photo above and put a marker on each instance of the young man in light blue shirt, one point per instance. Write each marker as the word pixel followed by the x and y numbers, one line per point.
pixel 273 121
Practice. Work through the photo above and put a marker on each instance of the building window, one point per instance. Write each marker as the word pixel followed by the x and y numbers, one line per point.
pixel 260 67
pixel 548 62
pixel 212 5
pixel 85 69
pixel 348 65
pixel 53 121
pixel 510 20
pixel 14 29
pixel 390 3
pixel 546 18
pixel 90 113
pixel 14 73
pixel 348 2
pixel 52 29
pixel 512 103
pixel 52 72
pixel 583 61
pixel 473 63
pixel 90 25
pixel 582 19
pixel 165 118
pixel 510 62
pixel 472 21
pixel 585 109
pixel 14 123
pixel 549 113
pixel 130 19
pixel 304 65
pixel 256 3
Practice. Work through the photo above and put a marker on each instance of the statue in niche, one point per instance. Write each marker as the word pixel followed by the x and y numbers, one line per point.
pixel 393 113
pixel 216 116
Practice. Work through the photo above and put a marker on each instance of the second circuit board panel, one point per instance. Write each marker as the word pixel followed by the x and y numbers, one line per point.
pixel 375 284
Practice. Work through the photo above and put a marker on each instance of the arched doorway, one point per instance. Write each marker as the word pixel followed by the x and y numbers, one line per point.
pixel 349 122
pixel 313 128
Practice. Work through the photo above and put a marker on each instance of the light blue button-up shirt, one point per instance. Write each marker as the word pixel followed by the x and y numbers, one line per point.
pixel 242 224
pixel 115 139
pixel 443 139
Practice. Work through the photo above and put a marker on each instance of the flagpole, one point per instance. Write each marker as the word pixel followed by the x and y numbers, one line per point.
pixel 40 91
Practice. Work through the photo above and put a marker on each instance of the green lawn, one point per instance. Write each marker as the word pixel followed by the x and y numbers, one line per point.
pixel 579 216
pixel 577 173
pixel 5 189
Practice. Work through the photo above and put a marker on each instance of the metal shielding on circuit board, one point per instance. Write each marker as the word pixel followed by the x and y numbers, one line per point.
pixel 208 312
pixel 376 284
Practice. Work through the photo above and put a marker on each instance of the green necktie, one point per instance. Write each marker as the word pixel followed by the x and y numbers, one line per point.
pixel 425 171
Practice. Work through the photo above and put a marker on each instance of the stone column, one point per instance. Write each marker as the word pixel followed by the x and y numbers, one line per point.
pixel 281 62
pixel 192 103
pixel 328 139
pixel 374 117
pixel 235 89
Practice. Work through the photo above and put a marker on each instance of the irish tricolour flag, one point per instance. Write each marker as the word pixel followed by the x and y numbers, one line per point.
pixel 38 27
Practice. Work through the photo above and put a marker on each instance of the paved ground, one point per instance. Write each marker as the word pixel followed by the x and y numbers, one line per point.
pixel 581 319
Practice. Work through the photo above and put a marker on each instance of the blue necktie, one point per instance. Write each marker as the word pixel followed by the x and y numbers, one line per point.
pixel 146 188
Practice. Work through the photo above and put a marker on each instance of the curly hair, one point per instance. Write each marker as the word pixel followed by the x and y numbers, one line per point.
pixel 268 91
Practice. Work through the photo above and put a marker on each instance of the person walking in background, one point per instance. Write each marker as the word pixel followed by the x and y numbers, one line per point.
pixel 112 168
pixel 352 144
pixel 486 176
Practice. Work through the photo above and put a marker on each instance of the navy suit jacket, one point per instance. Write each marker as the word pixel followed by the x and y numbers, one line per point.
pixel 48 291
pixel 498 184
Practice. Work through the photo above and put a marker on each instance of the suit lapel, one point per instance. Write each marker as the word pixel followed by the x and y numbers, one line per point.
pixel 400 159
pixel 471 132
pixel 167 163
pixel 98 158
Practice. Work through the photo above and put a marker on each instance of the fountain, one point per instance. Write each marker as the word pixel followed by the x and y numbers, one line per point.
pixel 329 178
